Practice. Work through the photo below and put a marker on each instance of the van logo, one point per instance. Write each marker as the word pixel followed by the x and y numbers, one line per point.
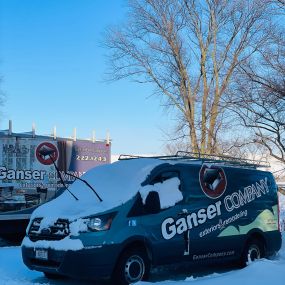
pixel 46 153
pixel 213 181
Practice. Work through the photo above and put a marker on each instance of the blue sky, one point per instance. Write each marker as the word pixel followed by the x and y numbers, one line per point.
pixel 52 65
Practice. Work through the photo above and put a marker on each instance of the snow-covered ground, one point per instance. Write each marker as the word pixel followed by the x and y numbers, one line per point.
pixel 14 272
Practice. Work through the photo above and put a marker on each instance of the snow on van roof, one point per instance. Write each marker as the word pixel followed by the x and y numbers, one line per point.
pixel 115 183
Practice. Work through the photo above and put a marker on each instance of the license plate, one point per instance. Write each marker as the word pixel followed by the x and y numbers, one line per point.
pixel 41 254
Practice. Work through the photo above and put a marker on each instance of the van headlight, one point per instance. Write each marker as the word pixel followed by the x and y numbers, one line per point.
pixel 101 223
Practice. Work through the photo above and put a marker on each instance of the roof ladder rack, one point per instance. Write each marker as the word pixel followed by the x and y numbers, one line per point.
pixel 222 159
pixel 204 158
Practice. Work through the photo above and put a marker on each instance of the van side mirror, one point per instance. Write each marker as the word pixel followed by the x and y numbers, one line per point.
pixel 152 203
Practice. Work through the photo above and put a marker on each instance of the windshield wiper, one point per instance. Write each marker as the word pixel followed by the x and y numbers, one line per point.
pixel 44 152
pixel 76 177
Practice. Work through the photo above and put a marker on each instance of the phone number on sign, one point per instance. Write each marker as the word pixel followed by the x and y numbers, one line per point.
pixel 93 158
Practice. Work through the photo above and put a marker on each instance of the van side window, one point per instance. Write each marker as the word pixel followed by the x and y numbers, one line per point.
pixel 138 207
pixel 152 202
pixel 164 176
pixel 191 189
pixel 151 206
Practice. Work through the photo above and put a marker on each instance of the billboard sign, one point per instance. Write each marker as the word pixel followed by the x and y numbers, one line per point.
pixel 28 176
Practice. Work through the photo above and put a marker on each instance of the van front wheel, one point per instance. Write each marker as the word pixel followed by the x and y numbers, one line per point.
pixel 133 266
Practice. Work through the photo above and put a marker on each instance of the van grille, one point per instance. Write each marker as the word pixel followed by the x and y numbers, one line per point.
pixel 58 231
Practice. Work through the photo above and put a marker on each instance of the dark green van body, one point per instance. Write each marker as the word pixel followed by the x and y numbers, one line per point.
pixel 222 208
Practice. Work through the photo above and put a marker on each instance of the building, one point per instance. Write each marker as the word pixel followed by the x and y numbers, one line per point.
pixel 28 175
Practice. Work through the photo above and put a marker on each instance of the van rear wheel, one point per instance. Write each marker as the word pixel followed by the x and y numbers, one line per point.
pixel 133 266
pixel 254 250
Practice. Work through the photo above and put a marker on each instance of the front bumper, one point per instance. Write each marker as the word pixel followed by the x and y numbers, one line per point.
pixel 88 263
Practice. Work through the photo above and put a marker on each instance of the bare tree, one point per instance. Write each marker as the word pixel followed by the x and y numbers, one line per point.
pixel 261 88
pixel 189 50
pixel 280 3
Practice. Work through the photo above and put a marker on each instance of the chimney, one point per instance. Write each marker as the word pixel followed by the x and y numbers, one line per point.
pixel 10 128
pixel 108 139
pixel 74 134
pixel 93 136
pixel 54 132
pixel 33 130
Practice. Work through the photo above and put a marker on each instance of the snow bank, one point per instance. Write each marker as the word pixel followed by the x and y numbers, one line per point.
pixel 14 272
pixel 282 211
pixel 262 272
pixel 115 183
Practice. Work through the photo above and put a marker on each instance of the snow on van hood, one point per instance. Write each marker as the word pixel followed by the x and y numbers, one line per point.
pixel 115 183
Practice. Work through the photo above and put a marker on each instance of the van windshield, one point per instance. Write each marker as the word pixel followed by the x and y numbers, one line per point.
pixel 117 183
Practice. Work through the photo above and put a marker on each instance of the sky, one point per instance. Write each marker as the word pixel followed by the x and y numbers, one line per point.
pixel 53 65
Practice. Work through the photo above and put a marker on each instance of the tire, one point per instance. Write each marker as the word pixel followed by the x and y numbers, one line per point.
pixel 133 266
pixel 253 250
pixel 49 275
